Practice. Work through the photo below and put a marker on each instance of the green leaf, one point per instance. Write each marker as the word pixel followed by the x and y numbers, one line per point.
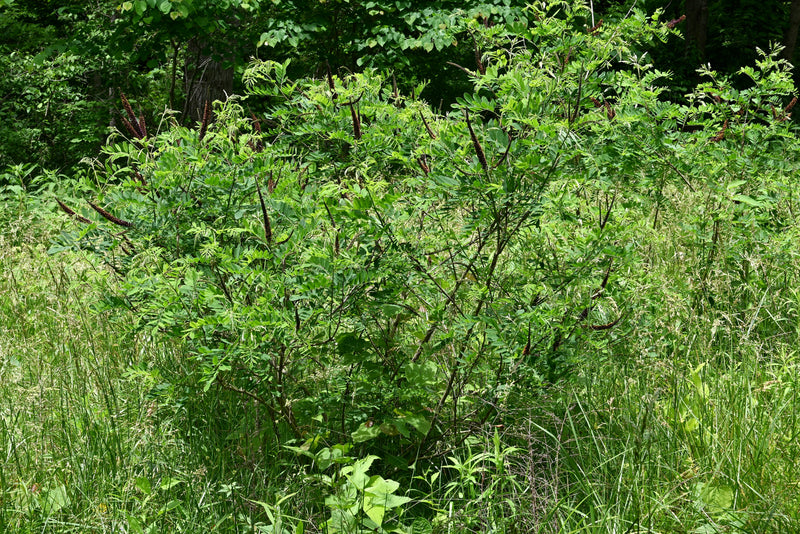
pixel 701 388
pixel 171 505
pixel 379 497
pixel 380 486
pixel 169 483
pixel 55 499
pixel 357 473
pixel 134 525
pixel 390 310
pixel 336 454
pixel 351 348
pixel 143 485
pixel 366 431
pixel 712 497
pixel 421 526
pixel 736 184
pixel 421 375
pixel 420 422
pixel 744 199
pixel 301 451
pixel 374 511
pixel 691 424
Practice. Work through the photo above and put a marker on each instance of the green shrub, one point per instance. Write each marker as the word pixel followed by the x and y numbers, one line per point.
pixel 367 271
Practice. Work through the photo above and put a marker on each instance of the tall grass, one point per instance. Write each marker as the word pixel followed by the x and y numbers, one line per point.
pixel 668 447
pixel 86 444
pixel 687 422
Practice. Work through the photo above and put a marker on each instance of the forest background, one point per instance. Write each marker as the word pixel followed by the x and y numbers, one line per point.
pixel 69 61
pixel 334 266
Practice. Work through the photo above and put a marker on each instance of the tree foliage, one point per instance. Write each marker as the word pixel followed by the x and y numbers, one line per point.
pixel 181 54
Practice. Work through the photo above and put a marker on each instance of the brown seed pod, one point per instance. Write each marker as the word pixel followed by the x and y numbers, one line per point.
pixel 607 326
pixel 130 128
pixel 267 225
pixel 721 135
pixel 356 121
pixel 256 122
pixel 139 177
pixel 132 123
pixel 106 215
pixel 476 144
pixel 331 85
pixel 478 62
pixel 423 165
pixel 427 126
pixel 66 209
pixel 206 118
pixel 674 22
pixel 126 245
pixel 610 113
pixel 142 125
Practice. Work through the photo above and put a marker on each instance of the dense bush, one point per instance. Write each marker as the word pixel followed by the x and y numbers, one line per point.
pixel 379 278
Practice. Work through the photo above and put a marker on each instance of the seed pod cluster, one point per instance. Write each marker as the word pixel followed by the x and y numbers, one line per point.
pixel 135 125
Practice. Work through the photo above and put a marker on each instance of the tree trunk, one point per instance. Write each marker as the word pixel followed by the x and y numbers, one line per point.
pixel 790 37
pixel 696 28
pixel 206 79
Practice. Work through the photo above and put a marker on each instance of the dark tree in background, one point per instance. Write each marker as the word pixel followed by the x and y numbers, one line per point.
pixel 63 73
pixel 790 37
pixel 696 28
pixel 724 34
pixel 206 79
pixel 737 27
pixel 201 42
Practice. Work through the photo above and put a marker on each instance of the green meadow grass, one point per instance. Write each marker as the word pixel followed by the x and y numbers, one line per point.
pixel 85 445
pixel 689 426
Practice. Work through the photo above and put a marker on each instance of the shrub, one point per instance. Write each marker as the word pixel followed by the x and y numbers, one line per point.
pixel 366 270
